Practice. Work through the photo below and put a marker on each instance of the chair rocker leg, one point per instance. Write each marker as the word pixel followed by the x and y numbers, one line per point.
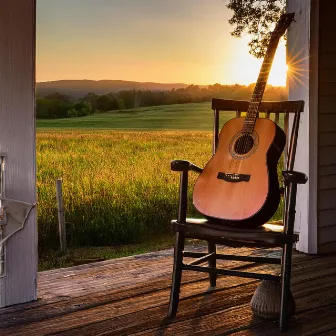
pixel 177 275
pixel 212 263
pixel 285 287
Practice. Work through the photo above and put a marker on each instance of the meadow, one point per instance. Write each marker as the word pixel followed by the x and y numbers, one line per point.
pixel 117 184
pixel 196 116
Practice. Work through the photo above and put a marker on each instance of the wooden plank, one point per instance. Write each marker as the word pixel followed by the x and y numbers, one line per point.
pixel 325 45
pixel 328 75
pixel 86 322
pixel 327 170
pixel 327 10
pixel 93 299
pixel 240 317
pixel 331 332
pixel 327 182
pixel 314 296
pixel 79 278
pixel 327 99
pixel 327 139
pixel 320 321
pixel 327 103
pixel 312 276
pixel 61 215
pixel 100 302
pixel 327 247
pixel 120 315
pixel 327 121
pixel 327 234
pixel 327 27
pixel 17 140
pixel 327 89
pixel 327 60
pixel 327 156
pixel 62 288
pixel 327 199
pixel 327 217
pixel 108 282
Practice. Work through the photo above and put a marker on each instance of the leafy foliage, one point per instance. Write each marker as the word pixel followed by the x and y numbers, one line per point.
pixel 59 106
pixel 255 18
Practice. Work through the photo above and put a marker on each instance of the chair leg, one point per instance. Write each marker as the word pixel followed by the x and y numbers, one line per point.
pixel 212 264
pixel 285 286
pixel 177 275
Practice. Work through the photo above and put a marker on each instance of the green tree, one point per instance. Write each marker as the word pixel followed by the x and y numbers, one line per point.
pixel 255 18
pixel 83 108
pixel 104 103
pixel 42 108
pixel 92 99
pixel 59 96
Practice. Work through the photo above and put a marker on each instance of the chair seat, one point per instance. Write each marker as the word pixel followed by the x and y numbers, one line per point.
pixel 266 235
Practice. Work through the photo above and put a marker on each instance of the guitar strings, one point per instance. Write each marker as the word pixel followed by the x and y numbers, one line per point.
pixel 244 139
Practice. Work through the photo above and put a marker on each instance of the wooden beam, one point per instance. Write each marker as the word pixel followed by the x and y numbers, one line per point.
pixel 265 106
pixel 302 52
pixel 17 140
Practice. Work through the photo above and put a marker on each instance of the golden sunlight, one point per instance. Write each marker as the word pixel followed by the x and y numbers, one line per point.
pixel 244 68
pixel 278 73
pixel 296 70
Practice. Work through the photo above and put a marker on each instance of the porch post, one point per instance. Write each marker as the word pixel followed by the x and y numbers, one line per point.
pixel 17 142
pixel 302 83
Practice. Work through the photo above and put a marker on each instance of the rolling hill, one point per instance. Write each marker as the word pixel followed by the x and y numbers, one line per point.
pixel 78 88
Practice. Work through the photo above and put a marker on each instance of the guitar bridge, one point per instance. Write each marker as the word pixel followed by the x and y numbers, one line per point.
pixel 233 177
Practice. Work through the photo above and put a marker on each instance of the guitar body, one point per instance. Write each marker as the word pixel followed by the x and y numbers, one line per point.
pixel 239 185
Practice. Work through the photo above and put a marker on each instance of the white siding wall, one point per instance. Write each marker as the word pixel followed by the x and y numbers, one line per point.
pixel 17 139
pixel 302 54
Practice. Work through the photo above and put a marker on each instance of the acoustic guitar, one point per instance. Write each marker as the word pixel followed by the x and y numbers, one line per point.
pixel 239 185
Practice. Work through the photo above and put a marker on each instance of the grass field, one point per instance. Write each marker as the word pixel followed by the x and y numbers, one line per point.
pixel 167 117
pixel 117 186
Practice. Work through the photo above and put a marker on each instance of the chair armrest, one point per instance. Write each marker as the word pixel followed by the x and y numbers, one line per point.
pixel 182 165
pixel 292 176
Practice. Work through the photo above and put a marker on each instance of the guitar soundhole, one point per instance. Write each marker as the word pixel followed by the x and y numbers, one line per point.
pixel 244 144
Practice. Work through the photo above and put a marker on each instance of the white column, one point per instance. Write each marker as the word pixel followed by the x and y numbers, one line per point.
pixel 302 52
pixel 17 140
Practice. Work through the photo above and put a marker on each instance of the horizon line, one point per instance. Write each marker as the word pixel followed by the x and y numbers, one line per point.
pixel 152 82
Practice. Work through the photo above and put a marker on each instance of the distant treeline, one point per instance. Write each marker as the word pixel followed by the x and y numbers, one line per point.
pixel 58 105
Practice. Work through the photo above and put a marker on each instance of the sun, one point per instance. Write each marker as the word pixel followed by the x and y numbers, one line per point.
pixel 244 69
pixel 278 74
pixel 297 73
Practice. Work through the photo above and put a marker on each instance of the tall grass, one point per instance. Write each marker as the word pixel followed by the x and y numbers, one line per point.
pixel 117 186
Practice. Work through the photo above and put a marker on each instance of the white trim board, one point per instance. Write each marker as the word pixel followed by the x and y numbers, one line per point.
pixel 17 140
pixel 302 48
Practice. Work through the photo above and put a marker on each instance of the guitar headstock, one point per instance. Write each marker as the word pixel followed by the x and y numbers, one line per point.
pixel 283 23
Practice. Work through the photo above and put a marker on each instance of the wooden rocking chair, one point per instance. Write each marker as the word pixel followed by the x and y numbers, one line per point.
pixel 282 236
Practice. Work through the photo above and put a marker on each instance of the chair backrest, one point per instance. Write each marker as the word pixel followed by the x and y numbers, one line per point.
pixel 277 108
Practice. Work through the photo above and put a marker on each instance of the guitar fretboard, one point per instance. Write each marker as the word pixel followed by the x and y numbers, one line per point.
pixel 252 112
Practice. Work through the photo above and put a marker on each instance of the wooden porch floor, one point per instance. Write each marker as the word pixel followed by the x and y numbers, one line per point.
pixel 129 296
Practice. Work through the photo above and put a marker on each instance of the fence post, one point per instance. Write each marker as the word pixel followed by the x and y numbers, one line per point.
pixel 61 217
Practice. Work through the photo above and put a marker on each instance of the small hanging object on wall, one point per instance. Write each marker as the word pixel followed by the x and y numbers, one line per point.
pixel 9 208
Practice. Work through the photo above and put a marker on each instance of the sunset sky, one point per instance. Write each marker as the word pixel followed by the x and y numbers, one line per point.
pixel 165 41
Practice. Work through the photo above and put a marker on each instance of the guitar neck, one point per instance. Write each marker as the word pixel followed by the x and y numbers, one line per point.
pixel 252 112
